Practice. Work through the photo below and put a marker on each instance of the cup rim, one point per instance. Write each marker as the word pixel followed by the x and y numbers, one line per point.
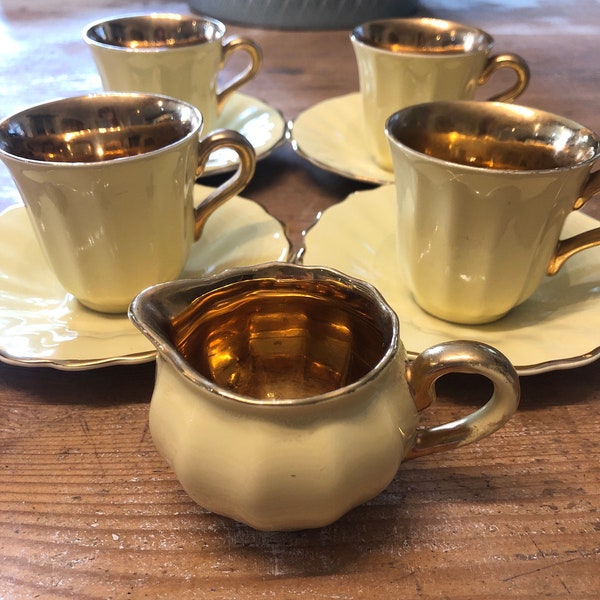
pixel 265 270
pixel 195 130
pixel 92 41
pixel 505 106
pixel 419 53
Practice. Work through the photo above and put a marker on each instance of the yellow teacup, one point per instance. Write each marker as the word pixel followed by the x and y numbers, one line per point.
pixel 176 55
pixel 408 61
pixel 483 191
pixel 108 182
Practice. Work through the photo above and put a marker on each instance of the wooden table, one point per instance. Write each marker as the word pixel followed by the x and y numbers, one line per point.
pixel 89 510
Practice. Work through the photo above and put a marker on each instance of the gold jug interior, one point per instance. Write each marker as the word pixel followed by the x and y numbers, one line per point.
pixel 277 339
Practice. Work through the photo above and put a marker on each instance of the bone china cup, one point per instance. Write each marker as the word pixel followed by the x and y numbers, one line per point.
pixel 171 54
pixel 283 397
pixel 483 190
pixel 108 182
pixel 409 61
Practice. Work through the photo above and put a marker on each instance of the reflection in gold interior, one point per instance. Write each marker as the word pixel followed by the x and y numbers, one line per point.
pixel 154 31
pixel 422 36
pixel 485 151
pixel 419 49
pixel 281 339
pixel 97 145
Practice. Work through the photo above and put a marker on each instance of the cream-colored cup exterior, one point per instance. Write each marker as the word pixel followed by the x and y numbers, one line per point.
pixel 303 463
pixel 188 71
pixel 393 79
pixel 475 242
pixel 111 228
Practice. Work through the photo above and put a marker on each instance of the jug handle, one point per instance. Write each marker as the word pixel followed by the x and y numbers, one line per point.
pixel 461 356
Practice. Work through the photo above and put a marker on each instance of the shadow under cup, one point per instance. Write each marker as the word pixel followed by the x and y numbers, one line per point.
pixel 423 36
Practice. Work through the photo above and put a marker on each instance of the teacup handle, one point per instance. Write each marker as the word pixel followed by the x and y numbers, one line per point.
pixel 231 45
pixel 507 61
pixel 582 241
pixel 223 138
pixel 462 357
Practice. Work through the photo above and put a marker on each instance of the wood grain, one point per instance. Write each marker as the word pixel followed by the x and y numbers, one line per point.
pixel 88 510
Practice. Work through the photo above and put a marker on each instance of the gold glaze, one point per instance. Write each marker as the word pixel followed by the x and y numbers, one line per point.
pixel 459 357
pixel 231 45
pixel 494 136
pixel 282 338
pixel 223 138
pixel 507 61
pixel 422 35
pixel 154 31
pixel 588 239
pixel 277 332
pixel 103 127
pixel 97 128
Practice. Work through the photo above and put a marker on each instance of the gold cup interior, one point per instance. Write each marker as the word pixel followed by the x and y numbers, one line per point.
pixel 99 128
pixel 154 31
pixel 282 339
pixel 422 35
pixel 493 136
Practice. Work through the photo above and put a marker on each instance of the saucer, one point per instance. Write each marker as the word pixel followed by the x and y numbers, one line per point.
pixel 262 125
pixel 330 135
pixel 556 328
pixel 42 325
